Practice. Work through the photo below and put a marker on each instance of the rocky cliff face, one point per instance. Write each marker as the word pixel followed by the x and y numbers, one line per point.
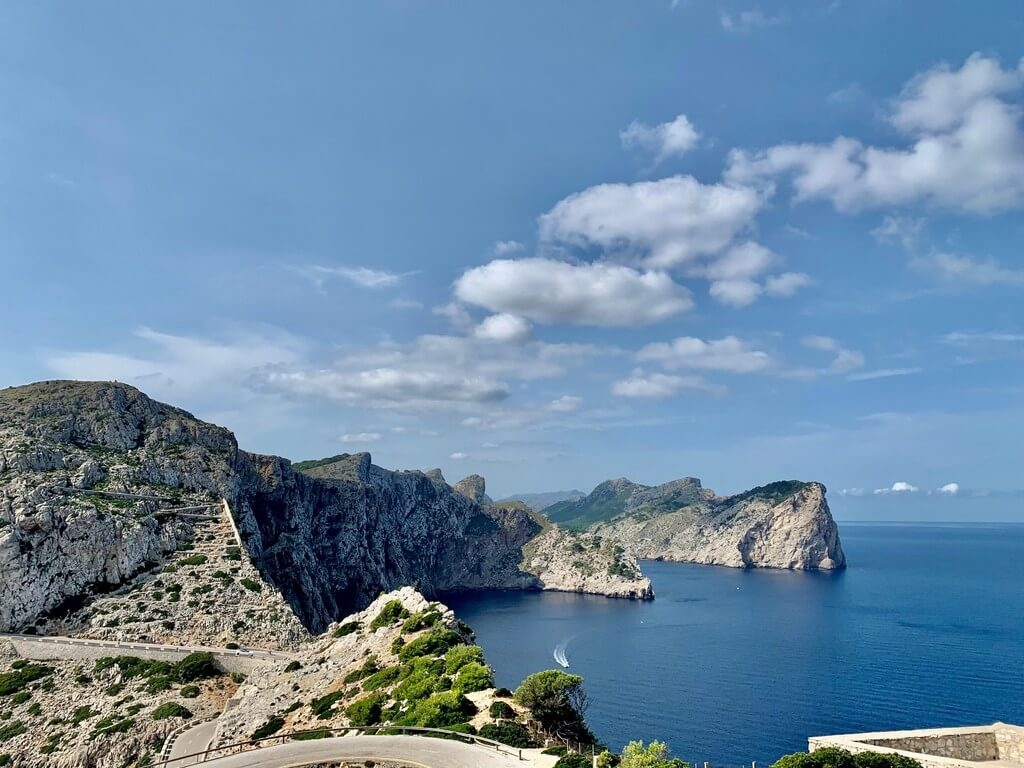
pixel 782 525
pixel 329 538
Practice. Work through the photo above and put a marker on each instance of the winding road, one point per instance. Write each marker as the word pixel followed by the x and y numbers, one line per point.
pixel 413 750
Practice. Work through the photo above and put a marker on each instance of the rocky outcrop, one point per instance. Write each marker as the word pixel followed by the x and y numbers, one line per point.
pixel 781 525
pixel 329 537
pixel 473 488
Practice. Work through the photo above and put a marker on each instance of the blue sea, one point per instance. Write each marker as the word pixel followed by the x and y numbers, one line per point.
pixel 925 628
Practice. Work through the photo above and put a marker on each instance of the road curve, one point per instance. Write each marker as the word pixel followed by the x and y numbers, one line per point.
pixel 192 741
pixel 415 750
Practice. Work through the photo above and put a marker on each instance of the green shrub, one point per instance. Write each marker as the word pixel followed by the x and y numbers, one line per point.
pixel 554 698
pixel 323 707
pixel 392 611
pixel 369 667
pixel 251 584
pixel 196 666
pixel 832 757
pixel 501 710
pixel 111 724
pixel 473 677
pixel 237 678
pixel 12 729
pixel 170 709
pixel 440 710
pixel 346 629
pixel 12 682
pixel 434 643
pixel 197 559
pixel 233 553
pixel 158 683
pixel 5 759
pixel 364 711
pixel 269 728
pixel 502 693
pixel 573 760
pixel 422 620
pixel 559 750
pixel 379 679
pixel 189 691
pixel 460 655
pixel 82 713
pixel 293 666
pixel 322 733
pixel 20 697
pixel 513 734
pixel 416 686
pixel 35 709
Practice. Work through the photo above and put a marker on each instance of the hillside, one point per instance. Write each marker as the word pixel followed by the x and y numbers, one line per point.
pixel 541 501
pixel 786 524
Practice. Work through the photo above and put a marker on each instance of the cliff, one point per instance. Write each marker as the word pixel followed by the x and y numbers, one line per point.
pixel 782 525
pixel 94 477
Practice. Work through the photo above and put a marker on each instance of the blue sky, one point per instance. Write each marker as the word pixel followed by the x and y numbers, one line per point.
pixel 550 243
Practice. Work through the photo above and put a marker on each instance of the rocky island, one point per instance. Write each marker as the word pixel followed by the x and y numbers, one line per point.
pixel 781 525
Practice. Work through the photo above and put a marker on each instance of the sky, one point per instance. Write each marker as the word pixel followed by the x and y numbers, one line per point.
pixel 549 243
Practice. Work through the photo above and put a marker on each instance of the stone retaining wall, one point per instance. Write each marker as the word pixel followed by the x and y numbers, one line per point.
pixel 975 747
pixel 37 651
pixel 938 747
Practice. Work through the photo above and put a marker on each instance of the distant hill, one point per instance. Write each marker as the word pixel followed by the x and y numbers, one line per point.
pixel 541 501
pixel 786 524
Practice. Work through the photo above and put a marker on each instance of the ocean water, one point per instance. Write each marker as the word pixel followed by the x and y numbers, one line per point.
pixel 926 628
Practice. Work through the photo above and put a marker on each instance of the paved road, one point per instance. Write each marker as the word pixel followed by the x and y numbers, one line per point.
pixel 128 646
pixel 414 750
pixel 195 739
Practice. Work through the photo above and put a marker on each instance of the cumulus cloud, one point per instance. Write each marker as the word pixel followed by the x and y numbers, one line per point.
pixel 965 150
pixel 360 437
pixel 506 247
pixel 950 489
pixel 898 487
pixel 550 291
pixel 727 354
pixel 656 386
pixel 844 361
pixel 455 314
pixel 737 293
pixel 458 456
pixel 666 223
pixel 786 284
pixel 504 328
pixel 565 404
pixel 852 492
pixel 904 230
pixel 665 140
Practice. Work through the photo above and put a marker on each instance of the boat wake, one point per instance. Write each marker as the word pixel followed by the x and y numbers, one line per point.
pixel 559 654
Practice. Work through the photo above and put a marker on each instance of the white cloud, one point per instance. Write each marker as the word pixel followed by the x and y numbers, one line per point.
pixel 550 291
pixel 669 222
pixel 174 364
pixel 742 261
pixel 844 360
pixel 882 373
pixel 950 489
pixel 965 151
pixel 565 404
pixel 745 21
pixel 786 284
pixel 904 230
pixel 964 337
pixel 727 354
pixel 847 95
pixel 506 247
pixel 665 140
pixel 458 456
pixel 362 276
pixel 737 293
pixel 852 492
pixel 457 315
pixel 967 270
pixel 360 437
pixel 656 385
pixel 504 328
pixel 898 487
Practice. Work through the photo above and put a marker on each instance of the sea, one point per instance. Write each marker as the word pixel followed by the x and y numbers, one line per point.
pixel 924 629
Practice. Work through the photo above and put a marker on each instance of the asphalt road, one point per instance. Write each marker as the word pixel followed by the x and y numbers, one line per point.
pixel 195 739
pixel 414 750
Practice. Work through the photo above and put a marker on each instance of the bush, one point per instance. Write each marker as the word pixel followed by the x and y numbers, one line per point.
pixel 502 693
pixel 440 710
pixel 196 666
pixel 392 611
pixel 654 755
pixel 323 707
pixel 461 655
pixel 416 686
pixel 193 560
pixel 364 711
pixel 559 750
pixel 320 733
pixel 346 629
pixel 422 620
pixel 369 668
pixel 12 682
pixel 189 691
pixel 501 710
pixel 251 584
pixel 433 643
pixel 379 679
pixel 473 677
pixel 513 734
pixel 170 709
pixel 269 728
pixel 9 731
pixel 573 761
pixel 832 757
pixel 293 666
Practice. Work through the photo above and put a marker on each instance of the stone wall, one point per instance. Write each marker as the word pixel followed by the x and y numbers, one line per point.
pixel 86 650
pixel 1010 740
pixel 977 746
pixel 938 747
